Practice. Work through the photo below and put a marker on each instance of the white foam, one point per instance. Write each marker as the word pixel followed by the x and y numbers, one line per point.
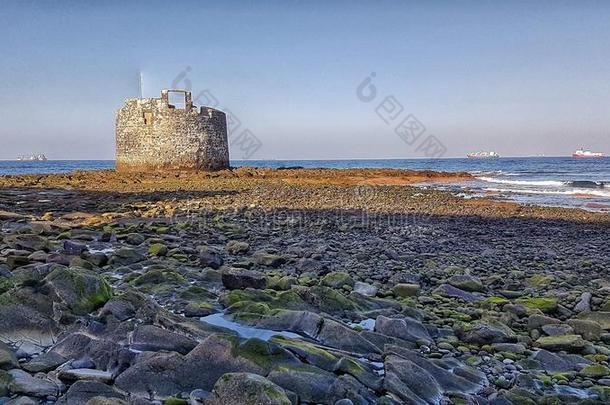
pixel 523 182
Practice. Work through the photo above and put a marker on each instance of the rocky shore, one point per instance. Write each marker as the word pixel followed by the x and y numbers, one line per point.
pixel 293 286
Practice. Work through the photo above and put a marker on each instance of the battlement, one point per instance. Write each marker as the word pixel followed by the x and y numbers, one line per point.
pixel 153 134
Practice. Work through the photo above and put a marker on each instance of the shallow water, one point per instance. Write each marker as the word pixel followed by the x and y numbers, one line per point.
pixel 245 331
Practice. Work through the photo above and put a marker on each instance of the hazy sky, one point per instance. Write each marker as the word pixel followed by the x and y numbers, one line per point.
pixel 520 78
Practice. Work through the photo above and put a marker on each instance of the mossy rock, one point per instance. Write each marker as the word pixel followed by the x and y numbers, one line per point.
pixel 404 290
pixel 6 283
pixel 197 294
pixel 545 304
pixel 540 280
pixel 157 249
pixel 570 343
pixel 495 301
pixel 337 279
pixel 312 353
pixel 265 354
pixel 595 371
pixel 80 289
pixel 160 277
pixel 174 401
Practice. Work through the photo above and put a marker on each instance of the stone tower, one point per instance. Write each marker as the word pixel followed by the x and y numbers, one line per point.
pixel 152 134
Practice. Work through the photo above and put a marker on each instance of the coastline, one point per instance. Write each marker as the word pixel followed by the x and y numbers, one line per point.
pixel 378 190
pixel 332 283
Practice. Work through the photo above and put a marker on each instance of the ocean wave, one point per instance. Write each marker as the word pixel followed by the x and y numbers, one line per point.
pixel 553 183
pixel 572 192
pixel 523 182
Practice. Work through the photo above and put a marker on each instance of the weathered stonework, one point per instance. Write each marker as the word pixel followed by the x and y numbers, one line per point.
pixel 152 134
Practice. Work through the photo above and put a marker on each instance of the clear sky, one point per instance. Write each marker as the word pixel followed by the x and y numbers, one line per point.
pixel 520 78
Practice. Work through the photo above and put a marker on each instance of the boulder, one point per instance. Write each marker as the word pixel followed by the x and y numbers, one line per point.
pixel 210 257
pixel 80 290
pixel 81 392
pixel 482 334
pixel 41 387
pixel 568 343
pixel 310 383
pixel 337 279
pixel 235 278
pixel 29 242
pixel 467 283
pixel 449 291
pixel 247 389
pixel 236 247
pixel 404 290
pixel 403 328
pixel 153 338
pixel 8 360
pixel 365 289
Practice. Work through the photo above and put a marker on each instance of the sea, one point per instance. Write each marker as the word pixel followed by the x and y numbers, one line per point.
pixel 548 181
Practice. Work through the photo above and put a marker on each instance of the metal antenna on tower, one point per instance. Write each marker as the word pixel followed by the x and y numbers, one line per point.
pixel 140 84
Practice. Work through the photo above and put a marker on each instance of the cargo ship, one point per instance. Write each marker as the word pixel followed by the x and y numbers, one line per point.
pixel 581 153
pixel 39 157
pixel 483 155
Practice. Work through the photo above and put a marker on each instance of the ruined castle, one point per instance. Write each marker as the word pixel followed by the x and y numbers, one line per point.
pixel 152 134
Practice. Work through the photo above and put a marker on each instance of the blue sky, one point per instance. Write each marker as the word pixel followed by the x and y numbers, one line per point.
pixel 521 78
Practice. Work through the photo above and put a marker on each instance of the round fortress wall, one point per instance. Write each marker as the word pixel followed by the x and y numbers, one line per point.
pixel 151 135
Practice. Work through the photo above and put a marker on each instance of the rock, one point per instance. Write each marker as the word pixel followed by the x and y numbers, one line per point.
pixel 467 283
pixel 197 310
pixel 311 384
pixel 601 317
pixel 264 258
pixel 363 372
pixel 405 290
pixel 237 247
pixel 337 335
pixel 423 381
pixel 595 371
pixel 551 362
pixel 134 239
pixel 365 289
pixel 157 249
pixel 347 390
pixel 74 248
pixel 81 290
pixel 545 304
pixel 125 256
pixel 171 373
pixel 482 334
pixel 569 343
pixel 410 383
pixel 536 321
pixel 210 257
pixel 584 304
pixel 106 401
pixel 85 374
pixel 153 338
pixel 235 278
pixel 29 242
pixel 337 279
pixel 449 291
pixel 45 362
pixel 404 328
pixel 83 391
pixel 589 330
pixel 23 383
pixel 247 389
pixel 557 329
pixel 8 360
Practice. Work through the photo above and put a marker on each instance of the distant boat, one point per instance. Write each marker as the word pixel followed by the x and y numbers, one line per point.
pixel 581 153
pixel 483 155
pixel 39 157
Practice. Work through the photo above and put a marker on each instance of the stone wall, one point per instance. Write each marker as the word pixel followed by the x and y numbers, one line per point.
pixel 153 135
